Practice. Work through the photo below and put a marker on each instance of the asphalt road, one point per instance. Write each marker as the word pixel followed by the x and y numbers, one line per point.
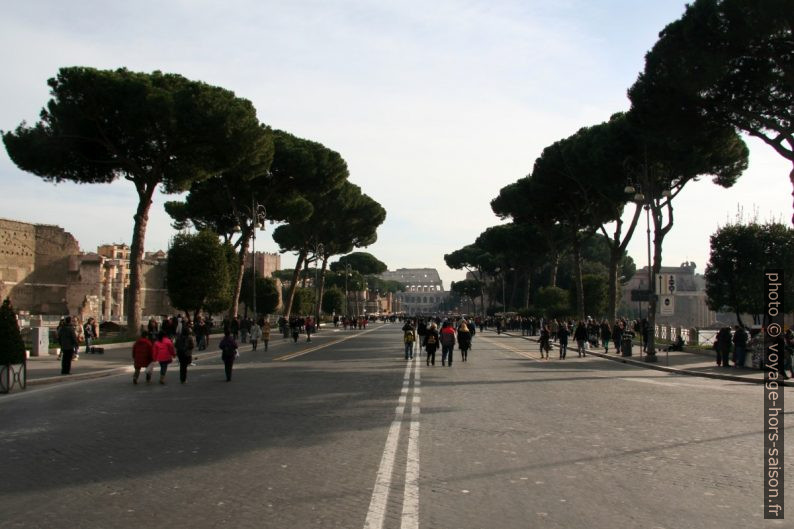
pixel 343 432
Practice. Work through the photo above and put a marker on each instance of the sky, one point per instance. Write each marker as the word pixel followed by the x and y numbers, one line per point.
pixel 435 106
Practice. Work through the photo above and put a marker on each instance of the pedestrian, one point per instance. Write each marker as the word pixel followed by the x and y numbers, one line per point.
pixel 617 335
pixel 606 334
pixel 142 357
pixel 723 346
pixel 431 344
pixel 266 332
pixel 464 340
pixel 562 335
pixel 580 335
pixel 228 353
pixel 295 329
pixel 185 343
pixel 447 340
pixel 409 338
pixel 164 353
pixel 153 328
pixel 256 334
pixel 545 341
pixel 89 334
pixel 740 338
pixel 309 324
pixel 67 339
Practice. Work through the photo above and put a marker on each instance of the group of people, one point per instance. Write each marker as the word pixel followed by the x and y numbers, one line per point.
pixel 430 338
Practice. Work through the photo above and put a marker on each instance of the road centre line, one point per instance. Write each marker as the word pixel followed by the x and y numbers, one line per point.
pixel 380 492
pixel 290 356
pixel 410 516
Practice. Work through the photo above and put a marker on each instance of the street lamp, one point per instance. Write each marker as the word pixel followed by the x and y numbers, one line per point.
pixel 347 295
pixel 640 198
pixel 258 216
pixel 318 250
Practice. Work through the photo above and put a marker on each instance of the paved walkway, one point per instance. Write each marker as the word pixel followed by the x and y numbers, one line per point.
pixel 682 362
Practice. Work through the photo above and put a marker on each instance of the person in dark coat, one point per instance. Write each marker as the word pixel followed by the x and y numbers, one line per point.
pixel 724 346
pixel 67 339
pixel 464 340
pixel 580 335
pixel 431 343
pixel 740 338
pixel 228 347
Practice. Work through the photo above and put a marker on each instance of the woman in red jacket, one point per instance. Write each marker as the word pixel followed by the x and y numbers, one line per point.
pixel 164 353
pixel 142 357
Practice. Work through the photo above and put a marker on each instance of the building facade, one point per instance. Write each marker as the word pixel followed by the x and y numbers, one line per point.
pixel 424 290
pixel 690 308
pixel 266 263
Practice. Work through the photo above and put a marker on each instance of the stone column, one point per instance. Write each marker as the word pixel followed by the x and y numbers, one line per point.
pixel 121 286
pixel 109 273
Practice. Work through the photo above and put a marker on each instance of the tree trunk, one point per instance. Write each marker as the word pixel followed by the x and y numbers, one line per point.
pixel 294 285
pixel 612 278
pixel 555 262
pixel 658 238
pixel 513 291
pixel 321 287
pixel 791 178
pixel 577 267
pixel 141 219
pixel 238 287
pixel 529 285
pixel 305 273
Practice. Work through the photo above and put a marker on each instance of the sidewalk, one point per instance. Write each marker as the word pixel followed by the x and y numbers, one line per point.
pixel 116 360
pixel 681 362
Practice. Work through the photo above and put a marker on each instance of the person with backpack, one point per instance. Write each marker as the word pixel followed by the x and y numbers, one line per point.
pixel 409 338
pixel 447 340
pixel 228 347
pixel 185 343
pixel 431 343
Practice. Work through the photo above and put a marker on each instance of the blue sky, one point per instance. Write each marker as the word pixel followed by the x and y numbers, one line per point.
pixel 434 105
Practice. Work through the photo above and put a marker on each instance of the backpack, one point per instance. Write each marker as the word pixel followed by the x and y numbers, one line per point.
pixel 408 337
pixel 431 339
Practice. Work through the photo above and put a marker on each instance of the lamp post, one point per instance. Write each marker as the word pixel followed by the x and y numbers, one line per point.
pixel 258 216
pixel 640 198
pixel 347 295
pixel 318 250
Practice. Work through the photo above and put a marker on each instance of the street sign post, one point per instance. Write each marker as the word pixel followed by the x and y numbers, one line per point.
pixel 667 305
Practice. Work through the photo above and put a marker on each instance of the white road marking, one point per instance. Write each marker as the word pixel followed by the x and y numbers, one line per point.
pixel 410 517
pixel 380 493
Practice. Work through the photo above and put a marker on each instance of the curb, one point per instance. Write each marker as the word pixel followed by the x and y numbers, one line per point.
pixel 651 365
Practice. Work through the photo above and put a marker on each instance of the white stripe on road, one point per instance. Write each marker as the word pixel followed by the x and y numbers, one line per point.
pixel 410 518
pixel 380 493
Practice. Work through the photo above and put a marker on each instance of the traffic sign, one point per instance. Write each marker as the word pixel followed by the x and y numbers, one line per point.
pixel 666 305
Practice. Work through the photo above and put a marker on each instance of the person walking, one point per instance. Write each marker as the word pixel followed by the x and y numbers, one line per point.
pixel 562 335
pixel 67 339
pixel 740 338
pixel 431 343
pixel 409 339
pixel 606 334
pixel 309 324
pixel 617 335
pixel 266 332
pixel 256 335
pixel 580 335
pixel 464 340
pixel 447 340
pixel 164 353
pixel 228 353
pixel 185 343
pixel 545 341
pixel 142 357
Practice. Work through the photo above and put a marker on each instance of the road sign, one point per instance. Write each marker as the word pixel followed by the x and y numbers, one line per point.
pixel 665 283
pixel 666 305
